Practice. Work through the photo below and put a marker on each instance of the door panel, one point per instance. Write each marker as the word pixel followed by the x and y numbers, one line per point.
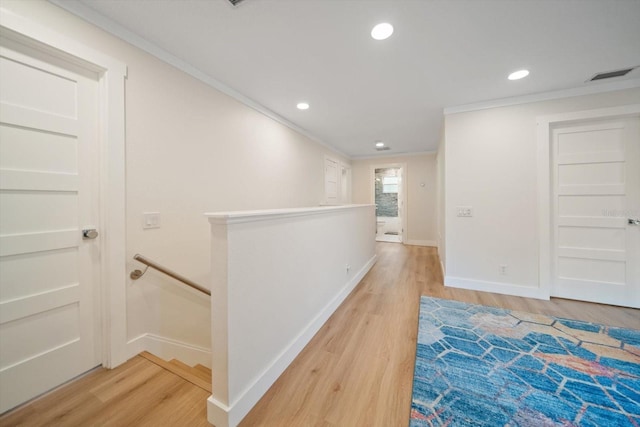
pixel 596 187
pixel 49 322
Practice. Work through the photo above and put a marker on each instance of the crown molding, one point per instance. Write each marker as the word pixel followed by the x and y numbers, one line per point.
pixel 545 96
pixel 94 17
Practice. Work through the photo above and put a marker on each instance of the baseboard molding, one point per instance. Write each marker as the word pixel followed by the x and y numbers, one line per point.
pixel 421 243
pixel 222 415
pixel 167 349
pixel 496 287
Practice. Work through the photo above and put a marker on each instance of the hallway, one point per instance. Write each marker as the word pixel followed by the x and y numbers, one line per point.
pixel 357 371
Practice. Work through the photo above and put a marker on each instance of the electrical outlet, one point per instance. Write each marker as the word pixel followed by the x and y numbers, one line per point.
pixel 150 220
pixel 503 269
pixel 464 211
pixel 348 267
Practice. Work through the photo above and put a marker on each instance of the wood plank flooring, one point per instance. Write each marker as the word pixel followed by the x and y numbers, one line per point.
pixel 357 371
pixel 137 393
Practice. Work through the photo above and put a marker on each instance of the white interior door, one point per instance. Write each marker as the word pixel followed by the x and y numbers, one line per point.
pixel 49 291
pixel 330 181
pixel 596 191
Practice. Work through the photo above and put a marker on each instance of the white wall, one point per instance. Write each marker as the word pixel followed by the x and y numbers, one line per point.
pixel 420 201
pixel 276 278
pixel 490 164
pixel 189 149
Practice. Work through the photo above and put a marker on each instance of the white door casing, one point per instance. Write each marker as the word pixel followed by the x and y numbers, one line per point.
pixel 401 196
pixel 110 247
pixel 402 192
pixel 591 252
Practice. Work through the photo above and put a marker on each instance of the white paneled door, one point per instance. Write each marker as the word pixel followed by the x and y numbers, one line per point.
pixel 50 327
pixel 330 181
pixel 596 202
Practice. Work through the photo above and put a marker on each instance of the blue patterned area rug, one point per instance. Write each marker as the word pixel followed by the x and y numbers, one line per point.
pixel 485 366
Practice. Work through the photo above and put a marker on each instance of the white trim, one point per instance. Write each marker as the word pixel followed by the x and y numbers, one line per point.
pixel 167 349
pixel 112 27
pixel 431 243
pixel 112 74
pixel 270 214
pixel 496 287
pixel 544 205
pixel 222 415
pixel 593 88
pixel 395 155
pixel 545 124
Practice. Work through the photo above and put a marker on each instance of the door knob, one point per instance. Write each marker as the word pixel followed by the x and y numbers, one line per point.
pixel 634 221
pixel 89 233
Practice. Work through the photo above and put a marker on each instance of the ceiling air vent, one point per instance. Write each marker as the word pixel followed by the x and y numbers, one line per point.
pixel 234 2
pixel 382 148
pixel 611 74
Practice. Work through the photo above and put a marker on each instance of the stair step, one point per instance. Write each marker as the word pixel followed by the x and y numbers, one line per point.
pixel 180 364
pixel 203 369
pixel 202 372
pixel 199 371
pixel 181 369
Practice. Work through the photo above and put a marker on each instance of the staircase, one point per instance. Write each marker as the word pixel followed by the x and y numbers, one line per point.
pixel 198 375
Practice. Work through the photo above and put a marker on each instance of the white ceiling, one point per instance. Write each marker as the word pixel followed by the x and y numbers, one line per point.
pixel 442 54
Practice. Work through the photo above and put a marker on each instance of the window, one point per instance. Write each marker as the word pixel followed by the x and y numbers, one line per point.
pixel 390 184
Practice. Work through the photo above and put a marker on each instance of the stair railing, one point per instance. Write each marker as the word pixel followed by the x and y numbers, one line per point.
pixel 136 274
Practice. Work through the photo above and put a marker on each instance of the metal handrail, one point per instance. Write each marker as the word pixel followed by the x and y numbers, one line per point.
pixel 136 274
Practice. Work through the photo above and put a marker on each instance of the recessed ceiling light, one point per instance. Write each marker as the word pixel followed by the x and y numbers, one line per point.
pixel 517 75
pixel 302 106
pixel 382 31
pixel 379 144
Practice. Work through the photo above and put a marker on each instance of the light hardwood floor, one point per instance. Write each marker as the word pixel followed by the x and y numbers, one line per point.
pixel 137 393
pixel 357 371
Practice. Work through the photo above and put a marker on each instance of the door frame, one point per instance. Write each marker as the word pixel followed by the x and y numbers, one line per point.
pixel 403 188
pixel 545 124
pixel 111 140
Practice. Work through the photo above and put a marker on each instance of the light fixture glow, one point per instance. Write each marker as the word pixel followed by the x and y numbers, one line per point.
pixel 517 75
pixel 379 144
pixel 382 31
pixel 302 106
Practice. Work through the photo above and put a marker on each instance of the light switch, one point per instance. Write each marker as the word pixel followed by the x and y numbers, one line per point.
pixel 150 220
pixel 464 211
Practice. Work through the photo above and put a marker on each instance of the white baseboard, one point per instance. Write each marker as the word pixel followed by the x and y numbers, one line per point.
pixel 420 242
pixel 496 287
pixel 167 349
pixel 221 415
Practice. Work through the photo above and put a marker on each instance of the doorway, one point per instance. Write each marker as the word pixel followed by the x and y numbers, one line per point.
pixel 58 146
pixel 388 198
pixel 593 206
pixel 50 328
